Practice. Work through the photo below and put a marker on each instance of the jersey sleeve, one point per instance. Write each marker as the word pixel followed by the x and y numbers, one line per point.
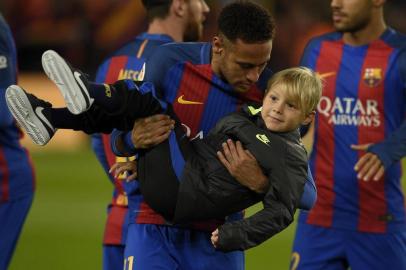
pixel 250 232
pixel 393 148
pixel 158 66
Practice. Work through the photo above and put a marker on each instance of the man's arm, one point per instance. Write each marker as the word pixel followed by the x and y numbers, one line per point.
pixel 286 183
pixel 384 154
pixel 146 133
pixel 243 166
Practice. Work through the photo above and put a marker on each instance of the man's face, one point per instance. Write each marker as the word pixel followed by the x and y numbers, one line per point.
pixel 351 15
pixel 279 113
pixel 241 64
pixel 197 11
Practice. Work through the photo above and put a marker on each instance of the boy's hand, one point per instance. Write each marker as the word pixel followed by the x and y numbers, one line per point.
pixel 215 237
pixel 128 167
pixel 150 131
pixel 243 166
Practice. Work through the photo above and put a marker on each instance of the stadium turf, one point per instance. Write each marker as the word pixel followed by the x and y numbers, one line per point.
pixel 65 226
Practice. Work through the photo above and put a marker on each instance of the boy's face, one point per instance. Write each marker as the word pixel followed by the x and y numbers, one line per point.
pixel 281 114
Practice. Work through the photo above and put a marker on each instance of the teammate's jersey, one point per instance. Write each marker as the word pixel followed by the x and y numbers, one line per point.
pixel 363 101
pixel 126 63
pixel 16 172
pixel 182 76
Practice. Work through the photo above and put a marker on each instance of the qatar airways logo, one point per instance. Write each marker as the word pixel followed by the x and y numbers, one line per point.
pixel 350 111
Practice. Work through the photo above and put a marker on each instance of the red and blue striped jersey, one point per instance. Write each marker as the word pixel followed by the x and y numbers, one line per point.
pixel 182 75
pixel 363 101
pixel 126 63
pixel 16 171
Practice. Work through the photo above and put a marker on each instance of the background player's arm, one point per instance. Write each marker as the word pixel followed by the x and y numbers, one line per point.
pixel 7 77
pixel 387 152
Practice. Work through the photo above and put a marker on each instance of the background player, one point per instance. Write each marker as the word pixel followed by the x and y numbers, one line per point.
pixel 169 21
pixel 17 181
pixel 357 223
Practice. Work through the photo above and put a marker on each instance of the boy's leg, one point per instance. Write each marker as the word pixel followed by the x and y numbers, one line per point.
pixel 40 121
pixel 30 113
pixel 72 83
pixel 123 99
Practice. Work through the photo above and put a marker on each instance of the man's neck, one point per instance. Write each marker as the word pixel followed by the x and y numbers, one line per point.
pixel 167 27
pixel 369 33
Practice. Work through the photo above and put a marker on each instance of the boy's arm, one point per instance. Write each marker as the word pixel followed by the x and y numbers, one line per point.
pixel 280 203
pixel 252 231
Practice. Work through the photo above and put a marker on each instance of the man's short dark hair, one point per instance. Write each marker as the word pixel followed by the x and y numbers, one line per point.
pixel 157 8
pixel 247 21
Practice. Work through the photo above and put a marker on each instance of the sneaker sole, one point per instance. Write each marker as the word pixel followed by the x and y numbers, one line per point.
pixel 60 73
pixel 22 111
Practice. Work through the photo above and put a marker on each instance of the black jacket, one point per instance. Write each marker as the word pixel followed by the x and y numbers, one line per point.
pixel 207 190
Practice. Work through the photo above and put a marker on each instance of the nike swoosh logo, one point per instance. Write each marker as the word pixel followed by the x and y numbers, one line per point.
pixel 79 81
pixel 187 102
pixel 38 112
pixel 254 111
pixel 263 138
pixel 326 75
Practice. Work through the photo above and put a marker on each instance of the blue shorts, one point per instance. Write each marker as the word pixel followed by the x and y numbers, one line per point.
pixel 113 257
pixel 12 217
pixel 151 247
pixel 319 248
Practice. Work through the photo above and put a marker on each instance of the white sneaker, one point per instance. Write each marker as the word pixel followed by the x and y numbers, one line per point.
pixel 71 82
pixel 27 109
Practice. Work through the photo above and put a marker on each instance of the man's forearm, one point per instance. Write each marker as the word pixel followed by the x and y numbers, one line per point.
pixel 258 184
pixel 119 144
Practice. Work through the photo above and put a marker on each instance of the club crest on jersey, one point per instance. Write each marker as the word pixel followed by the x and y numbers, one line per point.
pixel 372 76
pixel 3 62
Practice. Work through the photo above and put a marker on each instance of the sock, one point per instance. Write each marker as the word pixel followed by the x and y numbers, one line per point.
pixel 105 96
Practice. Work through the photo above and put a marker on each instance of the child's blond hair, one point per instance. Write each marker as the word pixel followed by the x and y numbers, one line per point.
pixel 303 87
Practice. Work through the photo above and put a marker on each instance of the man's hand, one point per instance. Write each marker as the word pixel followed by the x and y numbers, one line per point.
pixel 369 165
pixel 215 238
pixel 151 131
pixel 243 166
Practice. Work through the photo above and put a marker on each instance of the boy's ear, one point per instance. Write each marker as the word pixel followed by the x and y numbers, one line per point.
pixel 309 118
